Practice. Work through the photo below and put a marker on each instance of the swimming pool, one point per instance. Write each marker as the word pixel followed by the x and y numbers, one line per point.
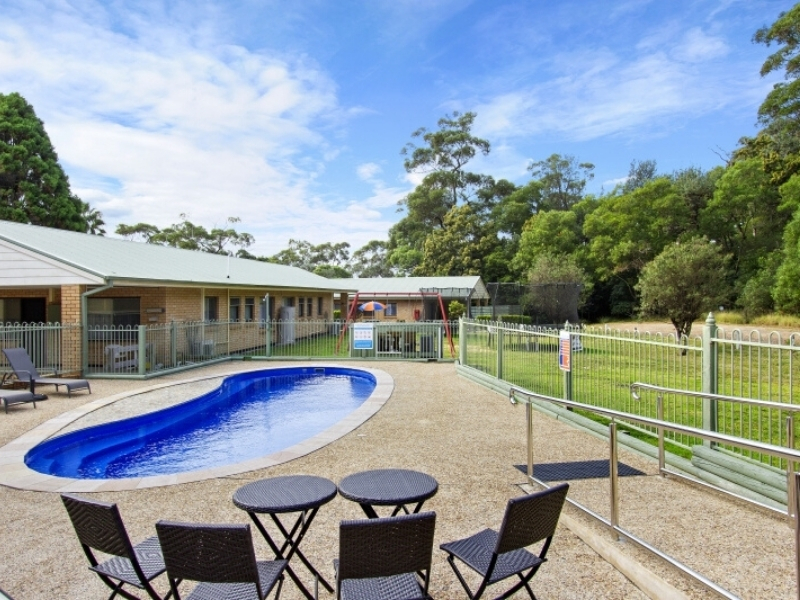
pixel 249 415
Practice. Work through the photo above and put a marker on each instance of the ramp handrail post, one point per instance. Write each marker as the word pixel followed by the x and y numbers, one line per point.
pixel 614 471
pixel 529 418
pixel 796 486
pixel 660 416
pixel 791 501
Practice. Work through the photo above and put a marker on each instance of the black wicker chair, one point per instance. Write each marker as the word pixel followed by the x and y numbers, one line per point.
pixel 100 528
pixel 385 559
pixel 221 558
pixel 498 555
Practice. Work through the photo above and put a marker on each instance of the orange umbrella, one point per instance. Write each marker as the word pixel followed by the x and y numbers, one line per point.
pixel 371 306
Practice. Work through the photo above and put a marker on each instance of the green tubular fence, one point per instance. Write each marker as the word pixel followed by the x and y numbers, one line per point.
pixel 605 362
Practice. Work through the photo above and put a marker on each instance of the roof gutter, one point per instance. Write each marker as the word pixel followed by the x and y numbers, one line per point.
pixel 85 321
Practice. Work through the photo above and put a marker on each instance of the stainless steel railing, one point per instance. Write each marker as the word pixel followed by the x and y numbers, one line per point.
pixel 661 391
pixel 520 395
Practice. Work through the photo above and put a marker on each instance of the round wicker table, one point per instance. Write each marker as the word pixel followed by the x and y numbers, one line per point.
pixel 388 487
pixel 302 494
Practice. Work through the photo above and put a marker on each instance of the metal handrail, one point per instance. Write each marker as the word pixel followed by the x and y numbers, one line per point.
pixel 790 426
pixel 706 396
pixel 517 395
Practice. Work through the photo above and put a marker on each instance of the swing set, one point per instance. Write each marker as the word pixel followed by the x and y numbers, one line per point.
pixel 353 309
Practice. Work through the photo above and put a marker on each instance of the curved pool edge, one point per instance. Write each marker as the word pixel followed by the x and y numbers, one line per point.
pixel 14 473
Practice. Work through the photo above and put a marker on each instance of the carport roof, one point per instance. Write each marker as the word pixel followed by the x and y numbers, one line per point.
pixel 397 286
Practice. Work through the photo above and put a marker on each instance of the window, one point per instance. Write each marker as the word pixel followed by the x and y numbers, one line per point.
pixel 309 306
pixel 212 308
pixel 235 313
pixel 319 306
pixel 391 309
pixel 249 309
pixel 302 304
pixel 112 312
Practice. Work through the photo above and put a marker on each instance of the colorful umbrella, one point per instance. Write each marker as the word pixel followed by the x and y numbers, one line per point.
pixel 371 306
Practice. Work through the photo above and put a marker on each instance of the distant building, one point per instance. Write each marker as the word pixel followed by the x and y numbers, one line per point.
pixel 413 298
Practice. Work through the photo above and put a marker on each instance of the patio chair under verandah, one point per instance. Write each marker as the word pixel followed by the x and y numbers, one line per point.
pixel 25 371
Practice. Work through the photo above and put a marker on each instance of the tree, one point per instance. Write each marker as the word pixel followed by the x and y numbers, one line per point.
pixel 556 287
pixel 188 236
pixel 782 104
pixel 332 272
pixel 563 180
pixel 445 184
pixel 460 247
pixel 443 159
pixel 787 289
pixel 371 260
pixel 744 216
pixel 640 172
pixel 328 257
pixel 683 282
pixel 455 310
pixel 626 232
pixel 777 145
pixel 33 186
pixel 549 232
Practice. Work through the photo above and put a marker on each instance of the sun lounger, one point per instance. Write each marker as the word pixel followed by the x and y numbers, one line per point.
pixel 19 397
pixel 25 371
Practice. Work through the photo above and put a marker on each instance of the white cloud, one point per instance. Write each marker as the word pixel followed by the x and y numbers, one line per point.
pixel 697 46
pixel 161 120
pixel 598 93
pixel 368 171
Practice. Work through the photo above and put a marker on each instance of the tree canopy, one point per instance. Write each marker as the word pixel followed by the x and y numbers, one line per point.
pixel 189 236
pixel 684 281
pixel 33 186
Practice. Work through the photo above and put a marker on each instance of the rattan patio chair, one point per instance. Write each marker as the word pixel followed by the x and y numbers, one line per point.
pixel 100 528
pixel 498 555
pixel 385 559
pixel 221 558
pixel 25 370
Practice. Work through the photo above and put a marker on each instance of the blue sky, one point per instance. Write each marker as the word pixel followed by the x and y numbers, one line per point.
pixel 292 115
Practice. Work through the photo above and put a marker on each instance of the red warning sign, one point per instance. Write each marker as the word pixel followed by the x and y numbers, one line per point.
pixel 564 351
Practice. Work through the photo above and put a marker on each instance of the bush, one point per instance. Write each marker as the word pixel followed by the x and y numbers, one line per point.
pixel 455 310
pixel 337 314
pixel 520 319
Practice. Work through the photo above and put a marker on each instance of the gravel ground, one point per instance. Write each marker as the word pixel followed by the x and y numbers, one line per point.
pixel 470 440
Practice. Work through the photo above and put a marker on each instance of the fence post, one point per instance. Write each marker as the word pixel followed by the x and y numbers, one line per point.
pixel 142 352
pixel 709 375
pixel 568 372
pixel 173 343
pixel 268 340
pixel 499 352
pixel 462 341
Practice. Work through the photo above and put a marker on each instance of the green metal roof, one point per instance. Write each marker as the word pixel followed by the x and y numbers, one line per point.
pixel 405 285
pixel 135 262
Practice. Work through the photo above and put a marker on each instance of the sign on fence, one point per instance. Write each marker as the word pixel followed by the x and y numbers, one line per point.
pixel 363 336
pixel 564 351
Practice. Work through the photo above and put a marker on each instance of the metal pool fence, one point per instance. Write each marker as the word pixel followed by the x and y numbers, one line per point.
pixel 604 363
pixel 150 350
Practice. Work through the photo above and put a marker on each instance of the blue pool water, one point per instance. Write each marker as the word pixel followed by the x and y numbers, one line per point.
pixel 250 415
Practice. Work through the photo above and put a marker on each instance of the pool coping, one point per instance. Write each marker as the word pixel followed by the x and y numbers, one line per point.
pixel 14 473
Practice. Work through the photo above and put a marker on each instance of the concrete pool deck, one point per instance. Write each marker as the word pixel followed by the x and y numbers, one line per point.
pixel 470 440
